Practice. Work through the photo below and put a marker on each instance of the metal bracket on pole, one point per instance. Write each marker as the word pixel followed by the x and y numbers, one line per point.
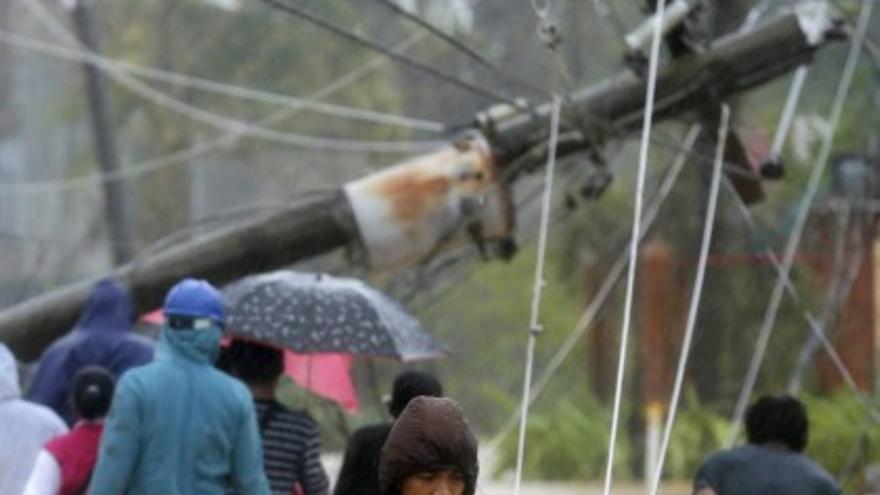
pixel 408 212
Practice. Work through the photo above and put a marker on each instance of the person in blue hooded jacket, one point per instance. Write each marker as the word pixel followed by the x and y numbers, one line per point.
pixel 179 426
pixel 102 337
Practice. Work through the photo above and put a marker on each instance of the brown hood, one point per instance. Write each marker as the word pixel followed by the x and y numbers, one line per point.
pixel 430 434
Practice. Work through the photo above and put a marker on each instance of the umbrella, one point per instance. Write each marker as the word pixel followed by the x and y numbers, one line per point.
pixel 327 375
pixel 311 313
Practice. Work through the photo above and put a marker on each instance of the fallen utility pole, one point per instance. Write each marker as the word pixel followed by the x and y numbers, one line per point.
pixel 407 213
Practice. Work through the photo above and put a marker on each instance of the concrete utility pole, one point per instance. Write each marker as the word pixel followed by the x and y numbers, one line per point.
pixel 115 207
pixel 405 214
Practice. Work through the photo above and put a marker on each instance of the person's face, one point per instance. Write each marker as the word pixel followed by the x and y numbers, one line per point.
pixel 444 482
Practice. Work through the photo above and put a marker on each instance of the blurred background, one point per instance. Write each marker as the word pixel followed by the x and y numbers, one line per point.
pixel 191 159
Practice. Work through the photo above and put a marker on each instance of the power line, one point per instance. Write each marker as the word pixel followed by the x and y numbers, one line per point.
pixel 871 49
pixel 730 168
pixel 537 289
pixel 785 120
pixel 607 12
pixel 446 267
pixel 224 122
pixel 549 33
pixel 690 326
pixel 463 48
pixel 151 73
pixel 840 287
pixel 390 53
pixel 604 291
pixel 767 326
pixel 222 219
pixel 651 87
pixel 812 322
pixel 222 141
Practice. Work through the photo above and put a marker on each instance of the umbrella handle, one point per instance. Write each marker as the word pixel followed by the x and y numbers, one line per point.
pixel 374 387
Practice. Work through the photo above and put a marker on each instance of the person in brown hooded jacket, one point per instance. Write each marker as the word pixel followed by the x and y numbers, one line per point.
pixel 431 450
pixel 359 474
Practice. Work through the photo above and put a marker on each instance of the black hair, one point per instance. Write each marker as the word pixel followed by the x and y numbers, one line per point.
pixel 176 322
pixel 252 362
pixel 92 392
pixel 780 419
pixel 183 323
pixel 409 385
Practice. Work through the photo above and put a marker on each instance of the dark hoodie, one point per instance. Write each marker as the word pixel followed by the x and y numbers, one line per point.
pixel 431 434
pixel 101 337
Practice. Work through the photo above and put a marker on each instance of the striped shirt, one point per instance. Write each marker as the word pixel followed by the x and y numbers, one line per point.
pixel 291 450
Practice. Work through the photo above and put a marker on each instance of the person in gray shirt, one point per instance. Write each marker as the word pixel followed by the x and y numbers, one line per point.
pixel 773 462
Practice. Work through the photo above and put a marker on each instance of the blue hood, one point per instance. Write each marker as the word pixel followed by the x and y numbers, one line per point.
pixel 200 346
pixel 108 309
pixel 180 426
pixel 101 337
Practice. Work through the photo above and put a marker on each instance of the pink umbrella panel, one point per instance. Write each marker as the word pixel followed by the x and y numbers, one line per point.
pixel 327 375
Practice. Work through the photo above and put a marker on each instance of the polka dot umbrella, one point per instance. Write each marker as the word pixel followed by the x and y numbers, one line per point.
pixel 311 313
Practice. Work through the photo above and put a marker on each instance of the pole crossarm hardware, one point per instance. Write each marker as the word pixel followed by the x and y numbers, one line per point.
pixel 457 194
pixel 736 63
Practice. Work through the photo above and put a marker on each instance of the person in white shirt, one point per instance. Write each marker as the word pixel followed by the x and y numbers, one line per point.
pixel 24 428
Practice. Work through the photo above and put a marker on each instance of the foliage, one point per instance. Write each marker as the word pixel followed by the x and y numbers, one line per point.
pixel 483 317
pixel 484 321
pixel 699 430
pixel 567 441
pixel 838 427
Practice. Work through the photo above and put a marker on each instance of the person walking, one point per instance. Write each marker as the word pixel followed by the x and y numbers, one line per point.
pixel 24 428
pixel 431 450
pixel 291 446
pixel 773 462
pixel 359 474
pixel 101 337
pixel 65 465
pixel 179 426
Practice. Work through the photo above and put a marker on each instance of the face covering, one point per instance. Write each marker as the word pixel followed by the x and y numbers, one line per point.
pixel 201 345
